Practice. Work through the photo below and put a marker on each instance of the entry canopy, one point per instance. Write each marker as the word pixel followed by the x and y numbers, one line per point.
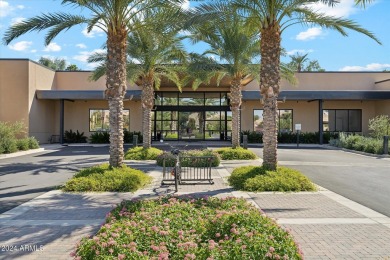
pixel 83 94
pixel 325 95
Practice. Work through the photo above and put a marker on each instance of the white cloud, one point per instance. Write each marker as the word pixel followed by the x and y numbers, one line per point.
pixel 17 20
pixel 33 51
pixel 309 34
pixel 94 32
pixel 368 67
pixel 300 51
pixel 343 9
pixel 20 46
pixel 186 5
pixel 81 46
pixel 7 9
pixel 84 55
pixel 52 47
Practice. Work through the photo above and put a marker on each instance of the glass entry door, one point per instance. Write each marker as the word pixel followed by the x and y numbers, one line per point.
pixel 191 125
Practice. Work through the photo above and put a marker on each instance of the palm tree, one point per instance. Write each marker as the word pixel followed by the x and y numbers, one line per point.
pixel 272 18
pixel 151 56
pixel 55 64
pixel 237 45
pixel 301 63
pixel 115 18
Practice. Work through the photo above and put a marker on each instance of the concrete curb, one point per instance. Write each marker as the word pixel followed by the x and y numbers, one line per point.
pixel 21 153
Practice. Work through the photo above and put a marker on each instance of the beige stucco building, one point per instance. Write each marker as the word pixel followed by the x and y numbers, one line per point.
pixel 53 101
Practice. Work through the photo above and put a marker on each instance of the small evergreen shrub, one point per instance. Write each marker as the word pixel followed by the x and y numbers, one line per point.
pixel 258 179
pixel 169 158
pixel 188 228
pixel 9 145
pixel 359 143
pixel 23 144
pixel 140 153
pixel 379 126
pixel 33 143
pixel 291 137
pixel 74 137
pixel 128 136
pixel 8 136
pixel 104 178
pixel 100 138
pixel 238 153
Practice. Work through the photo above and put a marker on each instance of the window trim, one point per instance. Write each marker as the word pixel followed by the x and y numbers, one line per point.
pixel 89 119
pixel 335 126
pixel 292 118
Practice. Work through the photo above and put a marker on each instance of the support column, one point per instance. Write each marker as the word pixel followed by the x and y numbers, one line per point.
pixel 321 121
pixel 62 108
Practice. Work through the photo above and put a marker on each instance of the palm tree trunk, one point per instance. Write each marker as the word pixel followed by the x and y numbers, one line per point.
pixel 147 100
pixel 115 92
pixel 235 103
pixel 269 88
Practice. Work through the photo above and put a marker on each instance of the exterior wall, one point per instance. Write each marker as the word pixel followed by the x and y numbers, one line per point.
pixel 382 107
pixel 76 114
pixel 306 113
pixel 41 112
pixel 333 81
pixel 14 93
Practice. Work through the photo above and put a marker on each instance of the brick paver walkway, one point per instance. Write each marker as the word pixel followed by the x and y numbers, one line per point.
pixel 326 225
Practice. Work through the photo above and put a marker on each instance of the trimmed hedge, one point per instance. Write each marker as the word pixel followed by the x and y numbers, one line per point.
pixel 104 137
pixel 238 153
pixel 140 153
pixel 256 178
pixel 189 162
pixel 104 178
pixel 291 137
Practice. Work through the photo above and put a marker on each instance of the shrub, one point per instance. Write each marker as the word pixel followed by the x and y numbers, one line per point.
pixel 190 162
pixel 9 145
pixel 256 178
pixel 33 143
pixel 8 136
pixel 75 137
pixel 380 126
pixel 23 144
pixel 359 143
pixel 100 138
pixel 186 228
pixel 171 136
pixel 291 137
pixel 104 178
pixel 238 153
pixel 128 136
pixel 140 153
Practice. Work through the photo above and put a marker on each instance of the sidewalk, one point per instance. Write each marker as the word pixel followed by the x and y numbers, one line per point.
pixel 326 225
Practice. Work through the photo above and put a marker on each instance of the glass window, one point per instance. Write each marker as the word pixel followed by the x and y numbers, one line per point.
pixel 342 120
pixel 191 99
pixel 213 99
pixel 99 120
pixel 285 120
pixel 169 99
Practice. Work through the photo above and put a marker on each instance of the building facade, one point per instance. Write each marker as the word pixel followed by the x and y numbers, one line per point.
pixel 49 102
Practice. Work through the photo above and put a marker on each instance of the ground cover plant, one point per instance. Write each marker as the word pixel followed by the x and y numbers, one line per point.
pixel 257 179
pixel 105 178
pixel 140 153
pixel 188 228
pixel 359 143
pixel 11 139
pixel 238 153
pixel 189 162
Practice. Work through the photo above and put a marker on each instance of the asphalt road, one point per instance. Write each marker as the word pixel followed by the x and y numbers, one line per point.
pixel 363 179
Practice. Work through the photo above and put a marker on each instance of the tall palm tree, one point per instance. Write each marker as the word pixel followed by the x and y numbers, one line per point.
pixel 272 18
pixel 237 46
pixel 115 18
pixel 153 53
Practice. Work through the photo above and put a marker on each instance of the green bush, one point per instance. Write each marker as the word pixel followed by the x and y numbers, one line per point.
pixel 8 136
pixel 291 137
pixel 238 153
pixel 9 145
pixel 100 138
pixel 379 126
pixel 74 137
pixel 171 136
pixel 128 136
pixel 140 153
pixel 256 178
pixel 23 144
pixel 187 228
pixel 33 143
pixel 190 162
pixel 359 143
pixel 104 178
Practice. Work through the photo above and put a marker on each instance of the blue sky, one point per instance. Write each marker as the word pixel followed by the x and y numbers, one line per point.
pixel 333 51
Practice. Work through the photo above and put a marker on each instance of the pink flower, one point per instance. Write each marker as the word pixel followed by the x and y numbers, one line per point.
pixel 111 250
pixel 238 240
pixel 243 246
pixel 218 235
pixel 121 256
pixel 73 253
pixel 180 232
pixel 249 234
pixel 154 228
pixel 166 220
pixel 271 249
